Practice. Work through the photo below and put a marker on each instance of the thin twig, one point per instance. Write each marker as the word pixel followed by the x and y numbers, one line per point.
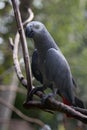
pixel 20 114
pixel 15 59
pixel 31 16
pixel 16 62
pixel 11 43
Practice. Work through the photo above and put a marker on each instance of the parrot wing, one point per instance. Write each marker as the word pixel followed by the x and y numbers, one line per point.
pixel 35 67
pixel 56 66
pixel 58 71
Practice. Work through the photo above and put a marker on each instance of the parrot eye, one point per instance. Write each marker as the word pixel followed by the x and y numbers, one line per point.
pixel 37 26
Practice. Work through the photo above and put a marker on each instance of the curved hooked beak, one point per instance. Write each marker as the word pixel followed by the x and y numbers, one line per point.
pixel 29 32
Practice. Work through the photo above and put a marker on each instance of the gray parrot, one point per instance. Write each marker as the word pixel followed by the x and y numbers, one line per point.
pixel 53 68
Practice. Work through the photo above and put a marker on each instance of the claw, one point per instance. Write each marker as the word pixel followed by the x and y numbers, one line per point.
pixel 33 91
pixel 45 97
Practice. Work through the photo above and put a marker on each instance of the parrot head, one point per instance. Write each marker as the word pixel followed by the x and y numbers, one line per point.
pixel 34 29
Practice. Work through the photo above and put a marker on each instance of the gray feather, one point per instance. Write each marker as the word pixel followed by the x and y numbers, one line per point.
pixel 58 72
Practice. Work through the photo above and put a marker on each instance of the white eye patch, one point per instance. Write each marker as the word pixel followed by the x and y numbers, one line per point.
pixel 37 26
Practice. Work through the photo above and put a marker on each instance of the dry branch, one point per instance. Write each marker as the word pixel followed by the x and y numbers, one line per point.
pixel 14 47
pixel 20 114
pixel 15 59
pixel 53 105
pixel 24 44
pixel 83 111
pixel 31 16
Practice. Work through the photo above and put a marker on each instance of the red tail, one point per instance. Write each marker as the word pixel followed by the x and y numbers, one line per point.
pixel 67 103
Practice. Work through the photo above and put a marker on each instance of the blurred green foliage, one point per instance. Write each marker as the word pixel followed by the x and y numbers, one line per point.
pixel 66 20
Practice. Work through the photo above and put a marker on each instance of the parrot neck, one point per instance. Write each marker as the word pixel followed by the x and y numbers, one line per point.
pixel 44 42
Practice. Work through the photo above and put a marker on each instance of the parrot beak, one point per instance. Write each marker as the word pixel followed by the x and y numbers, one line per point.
pixel 29 32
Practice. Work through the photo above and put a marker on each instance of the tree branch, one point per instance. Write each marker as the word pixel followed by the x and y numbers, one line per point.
pixel 24 44
pixel 20 114
pixel 83 111
pixel 54 105
pixel 15 59
pixel 14 46
pixel 31 16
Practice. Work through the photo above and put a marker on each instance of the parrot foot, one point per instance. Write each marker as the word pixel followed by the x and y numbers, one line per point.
pixel 34 91
pixel 45 97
